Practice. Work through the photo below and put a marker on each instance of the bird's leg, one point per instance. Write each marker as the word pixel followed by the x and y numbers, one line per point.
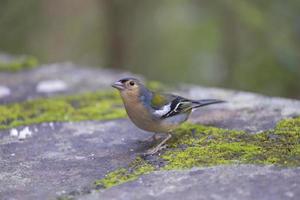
pixel 159 146
pixel 154 137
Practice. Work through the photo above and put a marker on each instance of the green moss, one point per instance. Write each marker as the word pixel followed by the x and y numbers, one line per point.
pixel 196 145
pixel 288 126
pixel 137 168
pixel 90 106
pixel 24 62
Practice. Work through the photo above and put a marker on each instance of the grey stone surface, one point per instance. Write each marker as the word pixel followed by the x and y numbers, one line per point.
pixel 59 158
pixel 243 111
pixel 4 91
pixel 7 58
pixel 240 182
pixel 66 78
pixel 54 159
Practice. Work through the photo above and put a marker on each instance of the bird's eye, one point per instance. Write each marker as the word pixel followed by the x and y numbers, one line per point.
pixel 131 83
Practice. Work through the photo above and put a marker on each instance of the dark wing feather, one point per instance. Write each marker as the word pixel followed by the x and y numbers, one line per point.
pixel 178 105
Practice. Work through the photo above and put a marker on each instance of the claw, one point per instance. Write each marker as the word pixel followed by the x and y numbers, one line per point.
pixel 159 147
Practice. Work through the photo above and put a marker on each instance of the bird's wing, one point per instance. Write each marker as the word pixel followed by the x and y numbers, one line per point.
pixel 166 105
pixel 177 106
pixel 158 100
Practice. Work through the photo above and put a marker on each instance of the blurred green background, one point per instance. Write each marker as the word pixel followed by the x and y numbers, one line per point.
pixel 251 45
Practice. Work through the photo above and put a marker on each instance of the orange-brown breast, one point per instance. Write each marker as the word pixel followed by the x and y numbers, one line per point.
pixel 140 116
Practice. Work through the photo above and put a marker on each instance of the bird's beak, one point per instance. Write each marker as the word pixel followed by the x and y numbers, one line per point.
pixel 118 85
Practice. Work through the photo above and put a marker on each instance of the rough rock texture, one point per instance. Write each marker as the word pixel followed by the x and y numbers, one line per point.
pixel 59 158
pixel 238 182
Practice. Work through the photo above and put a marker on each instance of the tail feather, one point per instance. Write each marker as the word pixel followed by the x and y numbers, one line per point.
pixel 206 102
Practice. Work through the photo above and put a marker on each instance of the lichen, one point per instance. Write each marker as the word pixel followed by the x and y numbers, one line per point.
pixel 137 168
pixel 90 106
pixel 197 146
pixel 18 64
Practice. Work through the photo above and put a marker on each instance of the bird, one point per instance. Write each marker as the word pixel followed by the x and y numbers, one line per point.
pixel 156 112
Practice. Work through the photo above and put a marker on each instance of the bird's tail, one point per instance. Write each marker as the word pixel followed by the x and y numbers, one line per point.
pixel 206 102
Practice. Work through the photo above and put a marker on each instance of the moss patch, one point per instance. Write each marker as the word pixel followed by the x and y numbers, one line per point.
pixel 137 168
pixel 105 105
pixel 198 146
pixel 90 106
pixel 18 64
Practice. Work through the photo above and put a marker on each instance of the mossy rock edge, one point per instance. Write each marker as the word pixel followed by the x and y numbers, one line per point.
pixel 101 105
pixel 105 105
pixel 18 64
pixel 201 146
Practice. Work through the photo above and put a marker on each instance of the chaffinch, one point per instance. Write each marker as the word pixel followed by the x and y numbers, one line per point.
pixel 156 112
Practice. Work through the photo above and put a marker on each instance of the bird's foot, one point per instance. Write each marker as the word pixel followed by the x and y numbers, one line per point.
pixel 153 138
pixel 159 147
pixel 155 150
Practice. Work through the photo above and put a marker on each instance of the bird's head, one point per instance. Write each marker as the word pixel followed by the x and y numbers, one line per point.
pixel 128 86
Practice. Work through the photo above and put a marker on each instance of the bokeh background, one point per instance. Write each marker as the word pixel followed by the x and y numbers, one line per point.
pixel 251 45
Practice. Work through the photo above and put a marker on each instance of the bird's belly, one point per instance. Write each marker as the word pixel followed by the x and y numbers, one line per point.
pixel 174 121
pixel 140 117
pixel 143 120
pixel 157 125
pixel 147 123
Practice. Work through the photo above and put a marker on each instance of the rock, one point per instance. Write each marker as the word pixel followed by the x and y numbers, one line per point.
pixel 24 133
pixel 64 157
pixel 65 78
pixel 51 86
pixel 14 132
pixel 236 182
pixel 6 58
pixel 4 91
pixel 244 111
